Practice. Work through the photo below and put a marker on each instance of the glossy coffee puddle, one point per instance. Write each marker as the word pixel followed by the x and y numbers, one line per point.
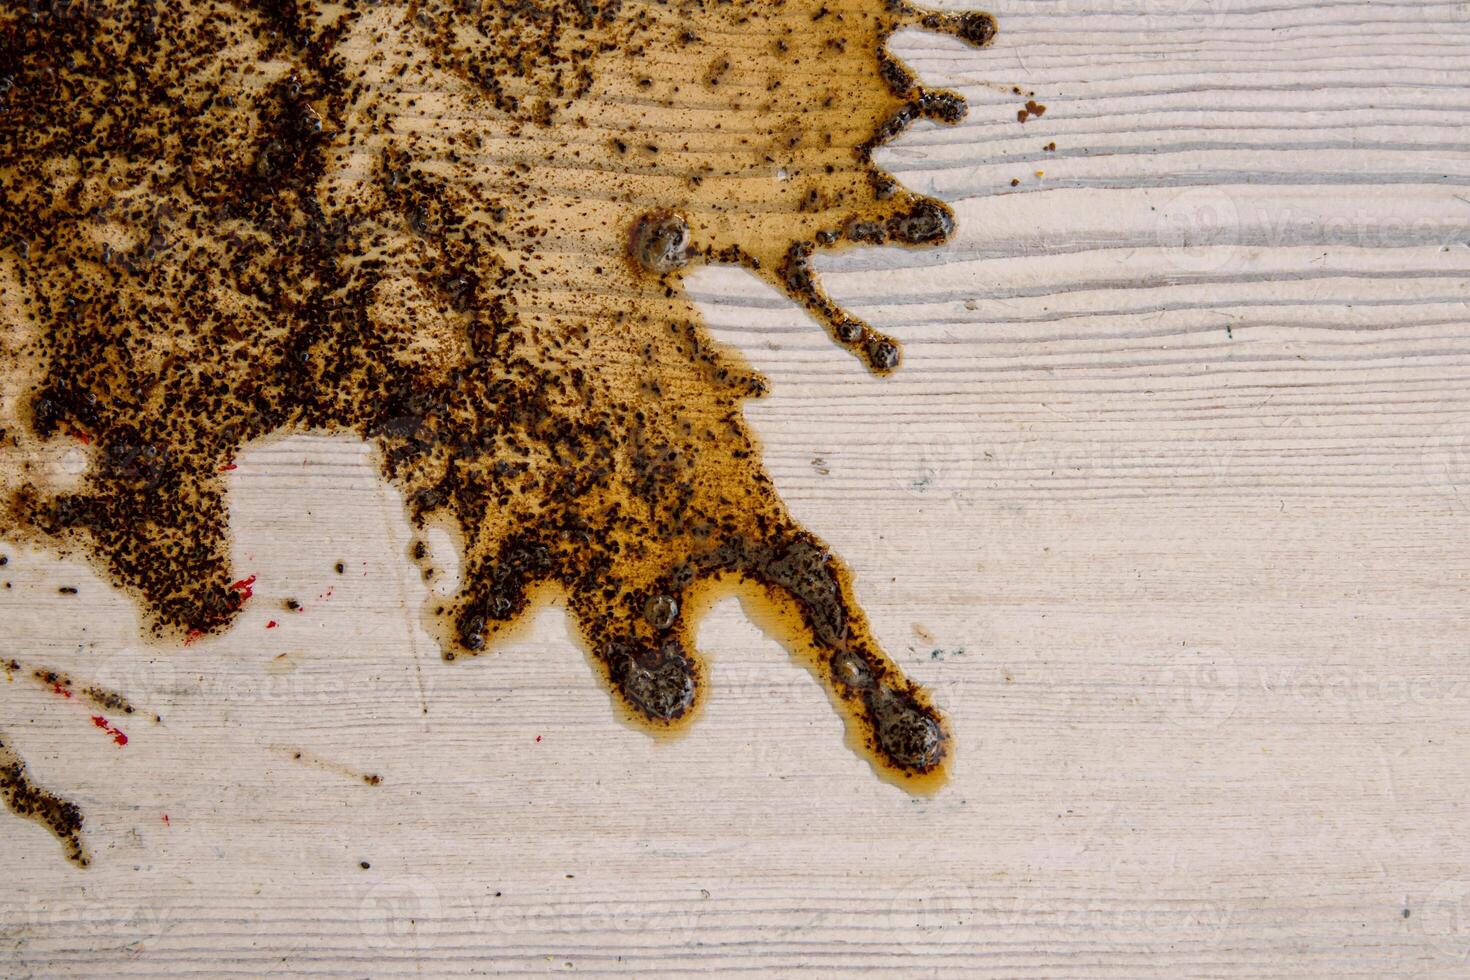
pixel 458 231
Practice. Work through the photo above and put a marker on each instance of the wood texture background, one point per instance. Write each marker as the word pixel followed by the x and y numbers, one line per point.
pixel 1168 508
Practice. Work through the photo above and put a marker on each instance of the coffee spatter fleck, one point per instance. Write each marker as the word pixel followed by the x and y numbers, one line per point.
pixel 459 231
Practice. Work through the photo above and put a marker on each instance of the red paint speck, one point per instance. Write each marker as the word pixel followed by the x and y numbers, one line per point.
pixel 192 635
pixel 271 625
pixel 165 820
pixel 228 467
pixel 538 738
pixel 116 733
pixel 80 436
pixel 246 588
pixel 58 689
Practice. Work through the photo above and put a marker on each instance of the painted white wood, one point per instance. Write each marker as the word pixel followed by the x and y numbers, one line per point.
pixel 1168 507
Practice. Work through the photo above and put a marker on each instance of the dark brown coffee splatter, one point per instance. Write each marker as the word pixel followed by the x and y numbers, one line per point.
pixel 26 799
pixel 457 230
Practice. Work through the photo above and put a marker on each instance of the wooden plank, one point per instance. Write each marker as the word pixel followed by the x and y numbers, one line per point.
pixel 1166 507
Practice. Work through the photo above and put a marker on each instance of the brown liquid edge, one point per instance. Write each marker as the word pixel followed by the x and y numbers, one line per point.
pixel 780 618
pixel 893 216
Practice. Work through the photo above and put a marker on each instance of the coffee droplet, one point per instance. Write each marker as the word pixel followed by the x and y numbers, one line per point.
pixel 658 681
pixel 851 669
pixel 457 232
pixel 907 731
pixel 660 611
pixel 660 242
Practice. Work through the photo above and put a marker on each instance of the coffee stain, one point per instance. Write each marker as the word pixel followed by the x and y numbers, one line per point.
pixel 458 231
pixel 64 686
pixel 28 800
pixel 315 761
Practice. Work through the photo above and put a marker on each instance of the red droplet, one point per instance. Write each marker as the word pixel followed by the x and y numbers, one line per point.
pixel 116 733
pixel 538 738
pixel 192 635
pixel 165 820
pixel 228 467
pixel 61 690
pixel 271 625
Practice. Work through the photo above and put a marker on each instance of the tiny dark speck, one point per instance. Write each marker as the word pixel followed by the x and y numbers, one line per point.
pixel 1406 913
pixel 67 590
pixel 364 865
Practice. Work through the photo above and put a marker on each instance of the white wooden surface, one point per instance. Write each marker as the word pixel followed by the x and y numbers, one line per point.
pixel 1168 507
